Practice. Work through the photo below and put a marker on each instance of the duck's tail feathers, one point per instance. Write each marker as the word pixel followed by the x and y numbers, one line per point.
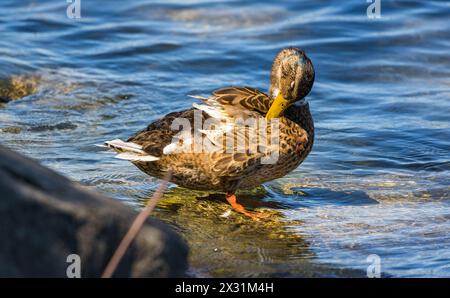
pixel 199 97
pixel 136 157
pixel 129 151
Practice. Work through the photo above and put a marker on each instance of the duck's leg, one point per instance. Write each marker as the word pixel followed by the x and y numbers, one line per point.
pixel 231 198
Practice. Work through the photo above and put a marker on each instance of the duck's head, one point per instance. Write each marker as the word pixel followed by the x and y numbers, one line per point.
pixel 291 80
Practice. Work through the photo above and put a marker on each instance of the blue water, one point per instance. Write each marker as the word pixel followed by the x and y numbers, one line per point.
pixel 377 180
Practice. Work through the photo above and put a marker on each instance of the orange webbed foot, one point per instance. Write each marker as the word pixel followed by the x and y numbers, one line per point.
pixel 256 216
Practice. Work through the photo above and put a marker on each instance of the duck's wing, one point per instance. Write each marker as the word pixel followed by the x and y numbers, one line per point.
pixel 224 106
pixel 243 97
pixel 235 102
pixel 227 105
pixel 161 133
pixel 149 143
pixel 249 150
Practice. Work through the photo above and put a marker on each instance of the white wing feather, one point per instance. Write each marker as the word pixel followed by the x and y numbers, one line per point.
pixel 129 151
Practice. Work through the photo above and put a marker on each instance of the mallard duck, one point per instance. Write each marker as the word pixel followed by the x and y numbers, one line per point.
pixel 154 150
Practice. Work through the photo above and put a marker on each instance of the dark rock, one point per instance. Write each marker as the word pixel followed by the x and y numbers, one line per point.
pixel 44 217
pixel 4 99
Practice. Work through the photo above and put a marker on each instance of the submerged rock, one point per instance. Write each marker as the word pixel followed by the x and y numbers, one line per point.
pixel 44 218
pixel 17 87
pixel 226 244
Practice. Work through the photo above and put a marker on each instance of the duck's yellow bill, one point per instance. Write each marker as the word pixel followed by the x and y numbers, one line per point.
pixel 278 106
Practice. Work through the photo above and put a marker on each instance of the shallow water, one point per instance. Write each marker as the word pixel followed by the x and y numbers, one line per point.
pixel 376 182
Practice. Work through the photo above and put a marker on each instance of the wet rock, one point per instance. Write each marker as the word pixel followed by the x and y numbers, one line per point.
pixel 4 99
pixel 13 129
pixel 17 87
pixel 44 218
pixel 49 127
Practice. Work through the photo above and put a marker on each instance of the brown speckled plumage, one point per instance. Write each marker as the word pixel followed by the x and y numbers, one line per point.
pixel 229 171
pixel 225 171
pixel 292 78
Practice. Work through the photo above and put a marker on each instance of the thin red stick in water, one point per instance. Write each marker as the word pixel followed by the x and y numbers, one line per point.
pixel 135 227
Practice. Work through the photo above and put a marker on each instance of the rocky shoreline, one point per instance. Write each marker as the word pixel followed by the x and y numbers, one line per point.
pixel 45 218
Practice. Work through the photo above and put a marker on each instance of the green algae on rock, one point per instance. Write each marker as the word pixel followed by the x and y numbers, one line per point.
pixel 17 86
pixel 224 243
